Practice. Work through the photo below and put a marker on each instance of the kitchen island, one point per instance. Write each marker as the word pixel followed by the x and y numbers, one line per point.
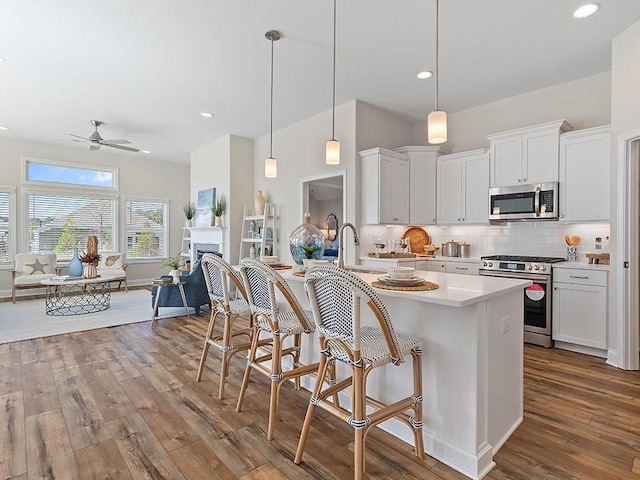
pixel 472 328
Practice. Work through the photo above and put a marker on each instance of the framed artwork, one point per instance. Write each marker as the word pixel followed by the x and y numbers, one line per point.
pixel 206 199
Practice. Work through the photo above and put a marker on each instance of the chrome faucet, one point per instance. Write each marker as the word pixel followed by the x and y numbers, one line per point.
pixel 341 242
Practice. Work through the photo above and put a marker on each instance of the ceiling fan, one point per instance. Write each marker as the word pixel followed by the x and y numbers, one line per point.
pixel 96 141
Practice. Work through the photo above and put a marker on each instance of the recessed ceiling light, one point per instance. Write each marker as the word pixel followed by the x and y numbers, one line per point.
pixel 4 128
pixel 424 75
pixel 146 151
pixel 1 59
pixel 206 114
pixel 586 10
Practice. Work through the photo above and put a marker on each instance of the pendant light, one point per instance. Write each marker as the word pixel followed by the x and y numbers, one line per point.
pixel 333 145
pixel 437 120
pixel 270 165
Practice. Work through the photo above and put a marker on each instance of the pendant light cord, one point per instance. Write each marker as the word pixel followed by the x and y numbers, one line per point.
pixel 271 124
pixel 333 114
pixel 437 49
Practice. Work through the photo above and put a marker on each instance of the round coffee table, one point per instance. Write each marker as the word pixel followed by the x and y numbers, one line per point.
pixel 71 296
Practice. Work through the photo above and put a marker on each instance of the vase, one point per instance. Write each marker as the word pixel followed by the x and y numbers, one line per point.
pixel 90 270
pixel 176 275
pixel 188 223
pixel 306 241
pixel 92 244
pixel 75 265
pixel 218 221
pixel 258 203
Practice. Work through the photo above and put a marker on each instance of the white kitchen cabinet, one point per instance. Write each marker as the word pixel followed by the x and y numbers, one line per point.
pixel 463 188
pixel 422 182
pixel 463 268
pixel 585 158
pixel 436 266
pixel 580 307
pixel 384 187
pixel 526 155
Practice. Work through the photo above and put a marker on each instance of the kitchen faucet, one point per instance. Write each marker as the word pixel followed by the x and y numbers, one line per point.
pixel 341 242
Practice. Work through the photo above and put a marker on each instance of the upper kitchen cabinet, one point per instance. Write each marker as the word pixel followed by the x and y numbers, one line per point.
pixel 585 157
pixel 422 182
pixel 384 187
pixel 463 188
pixel 526 155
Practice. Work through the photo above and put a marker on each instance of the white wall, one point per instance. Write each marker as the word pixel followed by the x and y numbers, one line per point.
pixel 625 117
pixel 140 175
pixel 583 103
pixel 227 165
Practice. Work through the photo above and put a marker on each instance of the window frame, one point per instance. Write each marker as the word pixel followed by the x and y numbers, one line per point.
pixel 88 193
pixel 124 241
pixel 58 163
pixel 13 226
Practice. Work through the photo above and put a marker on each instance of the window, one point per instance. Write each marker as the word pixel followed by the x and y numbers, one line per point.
pixel 57 222
pixel 53 172
pixel 145 226
pixel 7 226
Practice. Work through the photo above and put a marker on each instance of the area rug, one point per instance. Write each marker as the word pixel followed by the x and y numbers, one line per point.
pixel 26 319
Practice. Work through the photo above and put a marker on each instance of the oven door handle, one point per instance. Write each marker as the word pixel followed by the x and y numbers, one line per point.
pixel 533 278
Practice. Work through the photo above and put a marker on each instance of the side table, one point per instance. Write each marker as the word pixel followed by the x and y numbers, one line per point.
pixel 161 283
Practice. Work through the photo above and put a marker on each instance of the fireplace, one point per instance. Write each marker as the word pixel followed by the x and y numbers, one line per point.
pixel 205 240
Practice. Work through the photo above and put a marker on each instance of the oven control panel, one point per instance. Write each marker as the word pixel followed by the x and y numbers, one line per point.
pixel 519 267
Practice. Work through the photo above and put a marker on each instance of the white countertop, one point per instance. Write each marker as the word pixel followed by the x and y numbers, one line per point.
pixel 432 259
pixel 454 290
pixel 581 266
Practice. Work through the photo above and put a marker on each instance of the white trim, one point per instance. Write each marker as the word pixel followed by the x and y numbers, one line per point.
pixel 58 163
pixel 626 250
pixel 13 225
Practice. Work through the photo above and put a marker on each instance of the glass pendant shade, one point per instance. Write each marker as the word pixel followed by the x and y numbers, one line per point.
pixel 270 168
pixel 437 127
pixel 333 152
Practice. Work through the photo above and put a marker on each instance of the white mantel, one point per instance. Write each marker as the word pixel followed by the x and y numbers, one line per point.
pixel 201 236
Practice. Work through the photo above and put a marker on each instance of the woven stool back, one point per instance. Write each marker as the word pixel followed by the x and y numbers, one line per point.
pixel 217 274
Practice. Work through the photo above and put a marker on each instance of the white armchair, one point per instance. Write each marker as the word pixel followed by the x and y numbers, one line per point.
pixel 30 269
pixel 112 263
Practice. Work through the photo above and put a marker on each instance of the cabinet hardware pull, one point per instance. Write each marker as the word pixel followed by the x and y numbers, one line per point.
pixel 462 268
pixel 586 277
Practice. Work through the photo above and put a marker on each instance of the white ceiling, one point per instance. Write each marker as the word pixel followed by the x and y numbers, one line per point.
pixel 148 67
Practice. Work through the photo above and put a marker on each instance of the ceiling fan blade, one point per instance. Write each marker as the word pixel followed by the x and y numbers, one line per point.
pixel 93 146
pixel 78 136
pixel 121 147
pixel 120 142
pixel 79 141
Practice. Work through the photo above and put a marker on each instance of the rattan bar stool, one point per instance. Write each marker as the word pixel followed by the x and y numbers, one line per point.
pixel 336 297
pixel 276 323
pixel 219 277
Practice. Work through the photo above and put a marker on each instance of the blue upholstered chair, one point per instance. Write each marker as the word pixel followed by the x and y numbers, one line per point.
pixel 195 290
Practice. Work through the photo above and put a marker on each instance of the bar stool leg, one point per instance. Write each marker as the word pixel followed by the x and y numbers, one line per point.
pixel 276 380
pixel 251 357
pixel 359 412
pixel 205 349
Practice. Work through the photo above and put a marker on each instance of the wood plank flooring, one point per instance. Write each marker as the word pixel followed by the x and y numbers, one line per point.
pixel 122 403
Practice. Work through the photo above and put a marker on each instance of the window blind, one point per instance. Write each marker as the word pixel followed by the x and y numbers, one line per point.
pixel 145 225
pixel 6 229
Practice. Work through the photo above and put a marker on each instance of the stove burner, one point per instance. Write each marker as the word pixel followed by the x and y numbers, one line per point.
pixel 520 258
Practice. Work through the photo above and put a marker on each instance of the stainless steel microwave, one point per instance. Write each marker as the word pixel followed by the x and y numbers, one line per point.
pixel 537 201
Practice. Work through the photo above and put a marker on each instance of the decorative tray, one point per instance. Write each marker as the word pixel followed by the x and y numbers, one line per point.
pixel 418 238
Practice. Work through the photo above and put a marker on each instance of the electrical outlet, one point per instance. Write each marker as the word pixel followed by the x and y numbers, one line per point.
pixel 506 324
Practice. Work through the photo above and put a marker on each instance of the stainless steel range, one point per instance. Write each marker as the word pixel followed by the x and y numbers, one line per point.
pixel 537 298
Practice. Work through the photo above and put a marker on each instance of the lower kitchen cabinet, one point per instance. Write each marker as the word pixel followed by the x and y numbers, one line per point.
pixel 449 266
pixel 580 307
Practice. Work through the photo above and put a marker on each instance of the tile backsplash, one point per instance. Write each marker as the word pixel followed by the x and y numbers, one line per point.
pixel 512 238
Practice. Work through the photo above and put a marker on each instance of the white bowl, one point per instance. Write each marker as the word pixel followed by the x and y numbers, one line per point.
pixel 401 273
pixel 270 259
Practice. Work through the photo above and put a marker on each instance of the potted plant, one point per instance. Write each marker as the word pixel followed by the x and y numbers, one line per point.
pixel 189 212
pixel 218 210
pixel 174 263
pixel 90 261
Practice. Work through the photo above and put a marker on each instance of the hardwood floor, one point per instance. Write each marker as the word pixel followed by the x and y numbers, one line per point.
pixel 122 403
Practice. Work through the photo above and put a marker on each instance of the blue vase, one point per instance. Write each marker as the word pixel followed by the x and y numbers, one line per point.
pixel 75 265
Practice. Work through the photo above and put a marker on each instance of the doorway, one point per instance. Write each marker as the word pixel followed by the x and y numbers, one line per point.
pixel 323 198
pixel 626 268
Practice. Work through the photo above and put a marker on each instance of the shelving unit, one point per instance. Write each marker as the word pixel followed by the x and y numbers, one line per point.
pixel 259 231
pixel 185 249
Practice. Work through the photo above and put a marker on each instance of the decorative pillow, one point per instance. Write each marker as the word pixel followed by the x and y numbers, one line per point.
pixel 111 260
pixel 34 264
